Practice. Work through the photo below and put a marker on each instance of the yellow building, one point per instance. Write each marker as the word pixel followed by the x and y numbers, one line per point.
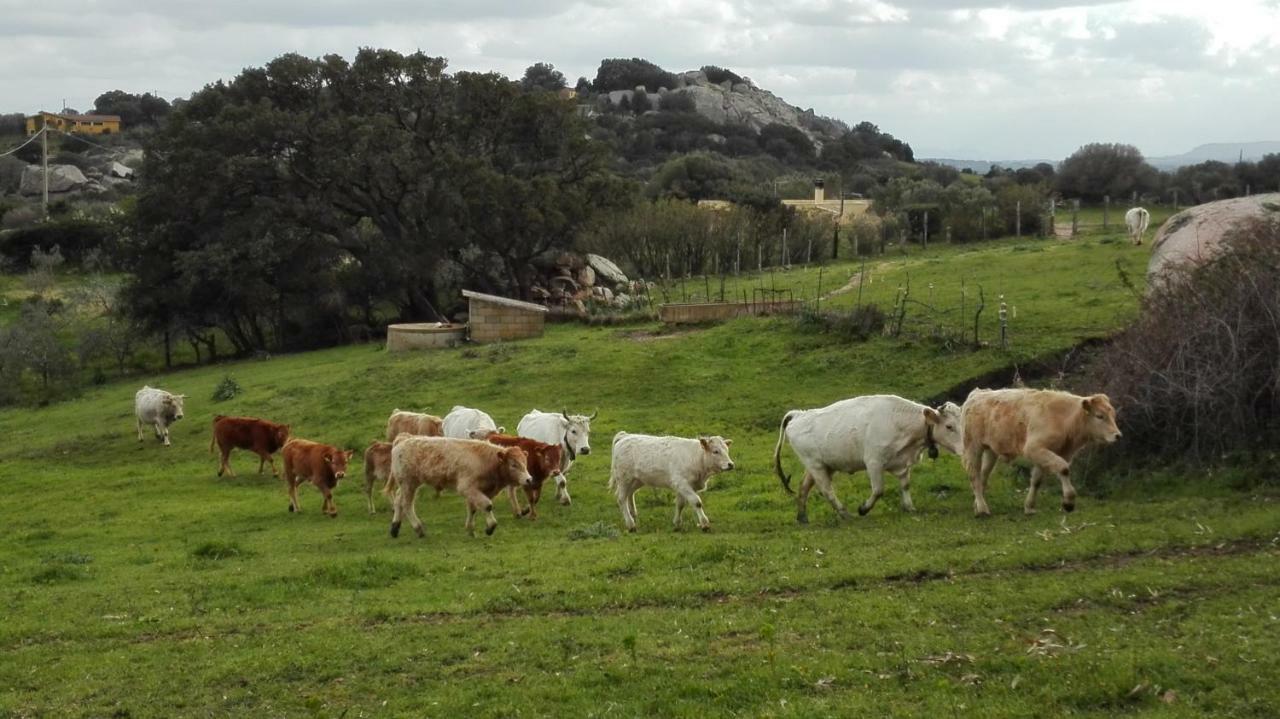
pixel 82 124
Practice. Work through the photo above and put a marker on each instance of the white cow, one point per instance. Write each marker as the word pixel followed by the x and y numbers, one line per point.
pixel 1137 220
pixel 157 408
pixel 675 463
pixel 879 433
pixel 467 423
pixel 570 431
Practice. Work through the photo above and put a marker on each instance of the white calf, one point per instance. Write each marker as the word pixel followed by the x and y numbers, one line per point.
pixel 468 423
pixel 675 463
pixel 1137 220
pixel 157 408
pixel 879 433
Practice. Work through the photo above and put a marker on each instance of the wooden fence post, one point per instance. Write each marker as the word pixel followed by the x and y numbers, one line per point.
pixel 1075 217
pixel 1106 212
pixel 1017 220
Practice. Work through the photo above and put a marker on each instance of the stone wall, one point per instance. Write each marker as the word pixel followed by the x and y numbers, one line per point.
pixel 693 313
pixel 425 335
pixel 492 322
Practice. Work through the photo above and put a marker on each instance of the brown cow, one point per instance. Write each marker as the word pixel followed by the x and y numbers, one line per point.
pixel 426 425
pixel 259 436
pixel 473 468
pixel 323 464
pixel 1046 427
pixel 543 463
pixel 377 466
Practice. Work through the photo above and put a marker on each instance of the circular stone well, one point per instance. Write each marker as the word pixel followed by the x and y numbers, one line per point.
pixel 424 336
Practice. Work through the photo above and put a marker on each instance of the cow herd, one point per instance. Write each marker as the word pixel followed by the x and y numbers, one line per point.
pixel 467 453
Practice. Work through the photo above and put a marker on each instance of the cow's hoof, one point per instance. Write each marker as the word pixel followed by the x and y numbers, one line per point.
pixel 631 530
pixel 982 515
pixel 1068 506
pixel 844 514
pixel 333 515
pixel 802 518
pixel 863 509
pixel 395 530
pixel 566 502
pixel 706 529
pixel 422 533
pixel 523 512
pixel 489 530
pixel 1029 511
pixel 291 509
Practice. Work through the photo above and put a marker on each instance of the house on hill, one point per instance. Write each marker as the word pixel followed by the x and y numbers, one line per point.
pixel 79 124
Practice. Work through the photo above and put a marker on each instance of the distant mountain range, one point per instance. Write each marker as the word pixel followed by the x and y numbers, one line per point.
pixel 1229 152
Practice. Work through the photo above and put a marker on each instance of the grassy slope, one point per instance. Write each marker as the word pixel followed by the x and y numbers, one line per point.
pixel 136 583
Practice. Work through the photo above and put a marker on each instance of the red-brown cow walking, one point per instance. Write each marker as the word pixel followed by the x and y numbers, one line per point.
pixel 259 436
pixel 543 463
pixel 322 464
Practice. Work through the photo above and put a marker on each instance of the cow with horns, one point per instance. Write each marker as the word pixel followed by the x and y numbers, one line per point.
pixel 570 431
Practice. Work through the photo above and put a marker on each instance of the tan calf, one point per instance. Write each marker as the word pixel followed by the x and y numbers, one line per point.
pixel 426 425
pixel 1046 427
pixel 322 464
pixel 475 469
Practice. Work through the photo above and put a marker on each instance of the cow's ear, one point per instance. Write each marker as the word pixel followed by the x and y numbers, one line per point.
pixel 706 443
pixel 350 453
pixel 728 443
pixel 931 416
pixel 328 458
pixel 1087 403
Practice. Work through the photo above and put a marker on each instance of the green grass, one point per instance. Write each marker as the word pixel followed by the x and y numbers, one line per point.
pixel 135 583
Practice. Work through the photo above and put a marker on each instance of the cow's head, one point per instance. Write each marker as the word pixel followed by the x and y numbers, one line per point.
pixel 716 453
pixel 337 461
pixel 577 432
pixel 942 425
pixel 173 406
pixel 515 464
pixel 281 434
pixel 1100 419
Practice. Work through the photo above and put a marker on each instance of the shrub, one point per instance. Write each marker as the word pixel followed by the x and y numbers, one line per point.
pixel 719 74
pixel 21 217
pixel 226 389
pixel 857 325
pixel 1198 374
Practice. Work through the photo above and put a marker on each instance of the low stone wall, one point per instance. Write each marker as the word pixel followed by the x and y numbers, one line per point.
pixel 693 313
pixel 424 335
pixel 494 322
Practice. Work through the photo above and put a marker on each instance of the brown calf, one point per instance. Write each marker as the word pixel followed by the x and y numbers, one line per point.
pixel 259 436
pixel 322 464
pixel 475 469
pixel 377 466
pixel 426 425
pixel 1046 427
pixel 543 463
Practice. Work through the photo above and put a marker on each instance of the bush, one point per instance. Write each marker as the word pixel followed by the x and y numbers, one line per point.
pixel 20 217
pixel 624 74
pixel 1198 374
pixel 74 236
pixel 719 74
pixel 226 389
pixel 857 325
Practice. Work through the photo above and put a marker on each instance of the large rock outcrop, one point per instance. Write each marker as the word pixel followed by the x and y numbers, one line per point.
pixel 62 178
pixel 745 104
pixel 1195 235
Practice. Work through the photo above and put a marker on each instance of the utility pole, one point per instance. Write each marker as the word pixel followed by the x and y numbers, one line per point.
pixel 44 163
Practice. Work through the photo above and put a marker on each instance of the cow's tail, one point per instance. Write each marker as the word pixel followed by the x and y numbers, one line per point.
pixel 213 431
pixel 777 451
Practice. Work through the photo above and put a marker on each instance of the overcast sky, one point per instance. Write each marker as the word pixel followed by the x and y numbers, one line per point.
pixel 980 81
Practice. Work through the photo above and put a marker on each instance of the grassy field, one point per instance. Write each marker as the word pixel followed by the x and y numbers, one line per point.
pixel 135 583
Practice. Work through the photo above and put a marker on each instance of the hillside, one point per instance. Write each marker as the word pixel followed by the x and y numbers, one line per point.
pixel 129 559
pixel 1229 152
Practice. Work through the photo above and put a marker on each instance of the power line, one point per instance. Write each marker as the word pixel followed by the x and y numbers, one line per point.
pixel 30 140
pixel 81 139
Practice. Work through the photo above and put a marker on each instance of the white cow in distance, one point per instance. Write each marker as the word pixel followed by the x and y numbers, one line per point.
pixel 158 408
pixel 879 433
pixel 675 463
pixel 467 423
pixel 1137 220
pixel 570 431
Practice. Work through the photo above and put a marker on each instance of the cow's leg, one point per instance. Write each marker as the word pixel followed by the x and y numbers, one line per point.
pixel 875 472
pixel 822 480
pixel 397 509
pixel 292 481
pixel 477 501
pixel 692 499
pixel 516 509
pixel 904 486
pixel 1054 464
pixel 224 466
pixel 165 429
pixel 330 507
pixel 624 492
pixel 368 490
pixel 562 494
pixel 802 498
pixel 978 480
pixel 532 495
pixel 678 522
pixel 631 503
pixel 1029 507
pixel 410 495
pixel 139 422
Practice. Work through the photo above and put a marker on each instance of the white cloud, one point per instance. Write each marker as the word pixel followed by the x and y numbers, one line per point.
pixel 1007 80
